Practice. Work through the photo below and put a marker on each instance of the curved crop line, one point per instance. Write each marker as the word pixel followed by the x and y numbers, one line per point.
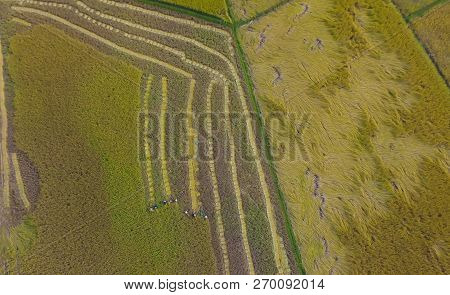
pixel 192 150
pixel 148 155
pixel 168 17
pixel 162 134
pixel 19 181
pixel 4 138
pixel 103 40
pixel 279 251
pixel 21 21
pixel 175 52
pixel 154 31
pixel 212 170
pixel 237 189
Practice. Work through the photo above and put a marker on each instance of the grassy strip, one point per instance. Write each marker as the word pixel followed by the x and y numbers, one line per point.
pixel 4 137
pixel 267 150
pixel 422 11
pixel 187 11
pixel 241 23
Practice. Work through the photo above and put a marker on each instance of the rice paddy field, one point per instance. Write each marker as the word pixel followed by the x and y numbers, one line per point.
pixel 135 161
pixel 370 133
pixel 222 137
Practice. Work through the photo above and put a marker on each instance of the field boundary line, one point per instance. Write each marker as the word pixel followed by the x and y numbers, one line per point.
pixel 421 12
pixel 4 137
pixel 19 181
pixel 212 170
pixel 103 40
pixel 148 155
pixel 162 135
pixel 267 149
pixel 192 150
pixel 263 13
pixel 236 186
pixel 278 250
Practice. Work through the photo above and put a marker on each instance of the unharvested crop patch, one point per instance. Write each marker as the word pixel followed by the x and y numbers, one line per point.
pixel 95 155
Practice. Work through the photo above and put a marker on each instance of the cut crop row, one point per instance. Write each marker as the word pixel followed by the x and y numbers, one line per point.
pixel 4 139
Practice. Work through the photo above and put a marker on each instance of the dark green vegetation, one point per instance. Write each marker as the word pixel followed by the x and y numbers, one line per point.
pixel 416 8
pixel 211 11
pixel 78 126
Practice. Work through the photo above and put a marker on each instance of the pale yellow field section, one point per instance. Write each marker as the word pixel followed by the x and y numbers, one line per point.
pixel 19 181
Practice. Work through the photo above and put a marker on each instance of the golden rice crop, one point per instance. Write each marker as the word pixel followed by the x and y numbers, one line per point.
pixel 361 132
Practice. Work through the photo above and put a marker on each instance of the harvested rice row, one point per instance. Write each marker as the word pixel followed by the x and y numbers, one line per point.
pixel 176 52
pixel 148 155
pixel 168 17
pixel 4 138
pixel 279 251
pixel 154 31
pixel 280 255
pixel 212 169
pixel 21 21
pixel 237 189
pixel 162 133
pixel 281 259
pixel 192 150
pixel 103 40
pixel 19 181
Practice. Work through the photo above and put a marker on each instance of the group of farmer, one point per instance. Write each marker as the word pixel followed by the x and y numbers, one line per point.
pixel 156 206
pixel 201 213
pixel 193 214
